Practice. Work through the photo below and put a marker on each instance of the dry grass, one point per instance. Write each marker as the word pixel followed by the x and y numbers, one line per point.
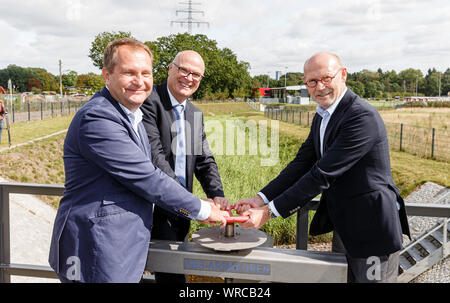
pixel 422 117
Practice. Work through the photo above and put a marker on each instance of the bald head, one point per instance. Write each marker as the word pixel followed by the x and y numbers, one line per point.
pixel 190 55
pixel 323 58
pixel 185 74
pixel 325 71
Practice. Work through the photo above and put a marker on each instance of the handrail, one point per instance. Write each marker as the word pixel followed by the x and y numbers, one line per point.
pixel 7 269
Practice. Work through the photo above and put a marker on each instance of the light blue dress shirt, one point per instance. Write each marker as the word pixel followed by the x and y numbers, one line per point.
pixel 205 209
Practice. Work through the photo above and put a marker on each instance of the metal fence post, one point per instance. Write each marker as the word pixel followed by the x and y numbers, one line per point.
pixel 432 142
pixel 13 118
pixel 445 237
pixel 42 111
pixel 300 118
pixel 302 229
pixel 29 118
pixel 401 135
pixel 5 255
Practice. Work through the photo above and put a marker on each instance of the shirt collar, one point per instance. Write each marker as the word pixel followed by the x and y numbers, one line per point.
pixel 135 117
pixel 330 110
pixel 174 101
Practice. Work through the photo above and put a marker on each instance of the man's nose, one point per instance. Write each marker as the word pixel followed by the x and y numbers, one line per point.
pixel 320 85
pixel 138 79
pixel 190 75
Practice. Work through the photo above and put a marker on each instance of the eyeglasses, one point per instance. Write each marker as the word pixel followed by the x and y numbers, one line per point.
pixel 185 73
pixel 325 80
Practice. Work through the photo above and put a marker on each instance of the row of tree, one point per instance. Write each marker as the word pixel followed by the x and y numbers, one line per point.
pixel 225 75
pixel 379 84
pixel 37 80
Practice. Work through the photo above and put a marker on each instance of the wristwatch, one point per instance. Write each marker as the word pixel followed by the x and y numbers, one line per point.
pixel 271 214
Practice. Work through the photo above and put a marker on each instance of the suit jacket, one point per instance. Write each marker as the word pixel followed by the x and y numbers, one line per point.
pixel 159 121
pixel 354 176
pixel 105 216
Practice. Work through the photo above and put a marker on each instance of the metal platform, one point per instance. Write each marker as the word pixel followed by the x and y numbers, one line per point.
pixel 257 264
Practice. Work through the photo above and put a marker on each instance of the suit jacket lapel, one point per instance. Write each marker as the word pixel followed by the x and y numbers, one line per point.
pixel 144 143
pixel 315 127
pixel 105 93
pixel 167 104
pixel 190 125
pixel 336 117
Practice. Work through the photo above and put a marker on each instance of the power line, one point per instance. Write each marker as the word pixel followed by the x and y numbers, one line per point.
pixel 189 20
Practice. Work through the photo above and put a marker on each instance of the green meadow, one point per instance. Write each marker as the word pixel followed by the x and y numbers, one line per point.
pixel 244 168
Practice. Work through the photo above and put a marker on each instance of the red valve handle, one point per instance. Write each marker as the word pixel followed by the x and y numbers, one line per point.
pixel 237 219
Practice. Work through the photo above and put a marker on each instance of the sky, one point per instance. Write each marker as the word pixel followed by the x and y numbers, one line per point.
pixel 271 35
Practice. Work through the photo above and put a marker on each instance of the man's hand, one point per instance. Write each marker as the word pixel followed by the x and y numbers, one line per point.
pixel 245 204
pixel 216 215
pixel 258 217
pixel 223 202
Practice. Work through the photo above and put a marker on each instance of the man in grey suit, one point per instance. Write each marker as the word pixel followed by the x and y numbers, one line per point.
pixel 103 225
pixel 179 145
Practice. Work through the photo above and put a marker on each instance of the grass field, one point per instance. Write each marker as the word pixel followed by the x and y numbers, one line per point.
pixel 26 131
pixel 242 175
pixel 422 117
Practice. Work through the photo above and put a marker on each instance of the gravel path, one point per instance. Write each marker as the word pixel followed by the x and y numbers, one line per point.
pixel 31 225
pixel 429 193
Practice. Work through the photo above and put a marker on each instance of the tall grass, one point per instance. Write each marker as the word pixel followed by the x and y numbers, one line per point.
pixel 242 175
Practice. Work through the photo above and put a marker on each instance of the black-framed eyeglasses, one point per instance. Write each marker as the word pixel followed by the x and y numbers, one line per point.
pixel 185 73
pixel 325 80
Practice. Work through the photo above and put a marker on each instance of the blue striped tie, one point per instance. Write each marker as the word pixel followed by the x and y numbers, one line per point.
pixel 180 159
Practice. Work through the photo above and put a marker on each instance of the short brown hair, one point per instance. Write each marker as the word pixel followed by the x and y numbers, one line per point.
pixel 109 57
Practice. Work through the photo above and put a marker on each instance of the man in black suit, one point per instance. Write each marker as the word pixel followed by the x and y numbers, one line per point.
pixel 179 145
pixel 346 158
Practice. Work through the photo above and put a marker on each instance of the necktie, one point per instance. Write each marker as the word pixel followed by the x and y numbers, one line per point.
pixel 180 158
pixel 323 127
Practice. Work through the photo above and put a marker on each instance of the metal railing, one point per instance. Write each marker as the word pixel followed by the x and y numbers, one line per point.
pixel 7 269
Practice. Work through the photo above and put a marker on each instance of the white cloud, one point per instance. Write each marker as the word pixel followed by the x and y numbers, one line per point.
pixel 269 34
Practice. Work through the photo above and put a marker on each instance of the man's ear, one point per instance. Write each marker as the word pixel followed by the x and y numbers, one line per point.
pixel 344 74
pixel 106 75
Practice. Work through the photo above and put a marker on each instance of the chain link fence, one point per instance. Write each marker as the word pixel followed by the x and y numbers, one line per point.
pixel 41 108
pixel 425 142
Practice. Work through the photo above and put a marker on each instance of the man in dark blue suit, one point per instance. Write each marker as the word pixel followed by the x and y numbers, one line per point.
pixel 103 224
pixel 346 158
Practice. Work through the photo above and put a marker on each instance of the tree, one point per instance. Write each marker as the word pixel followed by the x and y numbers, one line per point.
pixel 90 82
pixel 70 79
pixel 408 79
pixel 19 77
pixel 224 72
pixel 357 87
pixel 48 81
pixel 445 83
pixel 99 44
pixel 35 84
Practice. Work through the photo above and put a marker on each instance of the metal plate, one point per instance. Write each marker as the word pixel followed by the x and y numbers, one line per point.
pixel 214 238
